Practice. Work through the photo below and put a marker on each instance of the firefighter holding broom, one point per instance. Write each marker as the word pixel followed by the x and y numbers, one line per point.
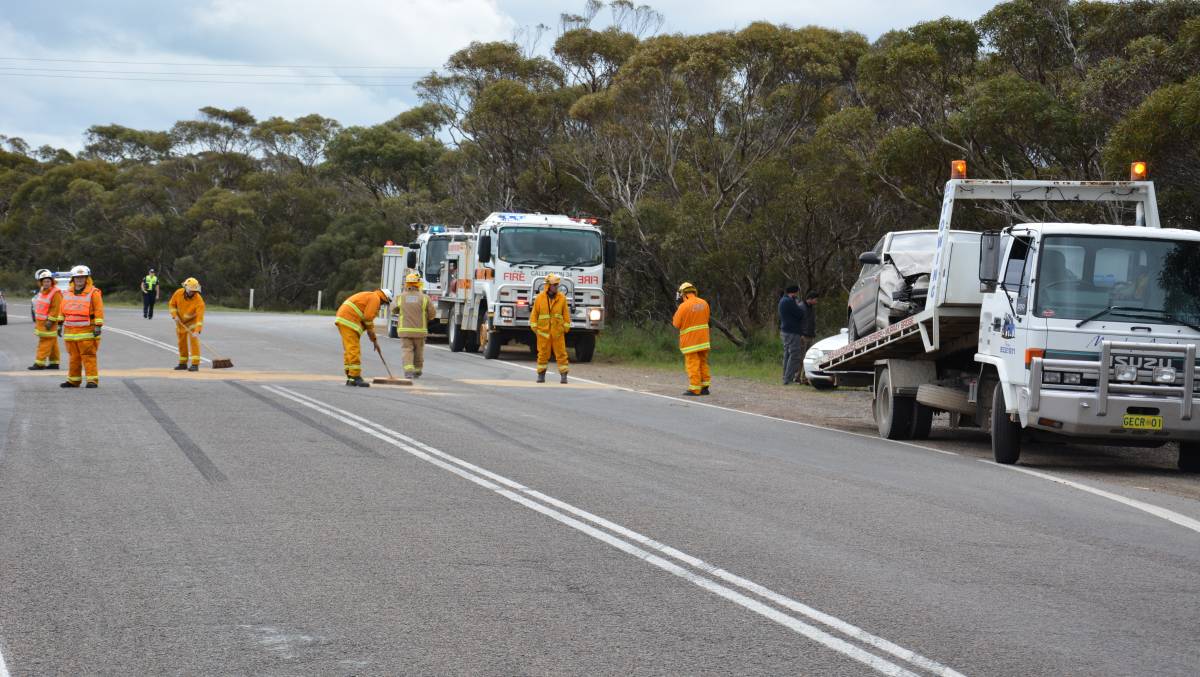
pixel 187 309
pixel 355 316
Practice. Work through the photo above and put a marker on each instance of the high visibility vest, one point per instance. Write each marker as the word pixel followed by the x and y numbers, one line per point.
pixel 151 281
pixel 41 305
pixel 77 309
pixel 406 303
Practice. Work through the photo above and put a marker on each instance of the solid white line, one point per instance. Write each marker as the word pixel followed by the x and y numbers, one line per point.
pixel 3 667
pixel 734 411
pixel 407 443
pixel 146 339
pixel 1169 515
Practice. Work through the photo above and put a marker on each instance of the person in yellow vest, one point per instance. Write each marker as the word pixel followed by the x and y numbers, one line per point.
pixel 83 318
pixel 47 313
pixel 691 319
pixel 413 313
pixel 356 315
pixel 150 294
pixel 550 319
pixel 187 309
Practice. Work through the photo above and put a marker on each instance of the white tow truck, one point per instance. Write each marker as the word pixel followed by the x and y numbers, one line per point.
pixel 424 256
pixel 492 277
pixel 1078 331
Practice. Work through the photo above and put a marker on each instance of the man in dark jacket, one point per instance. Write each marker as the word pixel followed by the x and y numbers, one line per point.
pixel 791 329
pixel 808 327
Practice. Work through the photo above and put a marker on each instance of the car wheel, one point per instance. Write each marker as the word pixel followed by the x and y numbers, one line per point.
pixel 822 384
pixel 851 330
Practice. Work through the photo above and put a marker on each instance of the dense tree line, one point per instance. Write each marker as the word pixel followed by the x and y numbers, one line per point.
pixel 737 160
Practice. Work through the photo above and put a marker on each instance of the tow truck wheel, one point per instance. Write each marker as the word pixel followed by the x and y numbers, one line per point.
pixel 1189 456
pixel 1006 434
pixel 893 415
pixel 922 421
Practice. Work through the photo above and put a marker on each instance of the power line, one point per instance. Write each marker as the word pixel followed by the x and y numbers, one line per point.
pixel 207 82
pixel 198 74
pixel 215 65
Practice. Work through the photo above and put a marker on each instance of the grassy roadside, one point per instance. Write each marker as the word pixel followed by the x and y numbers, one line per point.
pixel 130 300
pixel 658 348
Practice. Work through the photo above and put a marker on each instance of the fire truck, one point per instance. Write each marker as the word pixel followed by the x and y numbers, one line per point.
pixel 425 256
pixel 489 279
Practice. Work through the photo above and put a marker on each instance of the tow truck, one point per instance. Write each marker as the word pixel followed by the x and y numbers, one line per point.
pixel 1076 332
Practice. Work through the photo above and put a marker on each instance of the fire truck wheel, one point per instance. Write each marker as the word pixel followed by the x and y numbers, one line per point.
pixel 1006 434
pixel 585 347
pixel 1189 456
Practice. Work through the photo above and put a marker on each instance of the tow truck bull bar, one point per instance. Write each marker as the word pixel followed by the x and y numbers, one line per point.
pixel 1103 368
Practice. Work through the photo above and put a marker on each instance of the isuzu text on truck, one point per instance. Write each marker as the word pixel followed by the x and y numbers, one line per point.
pixel 1077 331
pixel 489 279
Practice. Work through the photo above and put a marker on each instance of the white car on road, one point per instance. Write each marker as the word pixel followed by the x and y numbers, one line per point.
pixel 826 381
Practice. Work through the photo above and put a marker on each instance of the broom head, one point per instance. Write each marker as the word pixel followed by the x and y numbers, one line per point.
pixel 392 381
pixel 222 363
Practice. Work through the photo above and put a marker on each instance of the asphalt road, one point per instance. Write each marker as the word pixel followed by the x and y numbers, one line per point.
pixel 268 520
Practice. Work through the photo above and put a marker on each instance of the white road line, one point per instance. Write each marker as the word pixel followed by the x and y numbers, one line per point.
pixel 3 667
pixel 1163 513
pixel 1169 515
pixel 146 339
pixel 520 494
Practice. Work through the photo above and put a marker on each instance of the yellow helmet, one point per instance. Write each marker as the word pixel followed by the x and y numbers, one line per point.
pixel 688 287
pixel 191 284
pixel 412 280
pixel 553 278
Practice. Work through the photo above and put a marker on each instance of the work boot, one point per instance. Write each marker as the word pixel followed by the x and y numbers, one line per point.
pixel 357 381
pixel 562 378
pixel 182 366
pixel 409 375
pixel 704 390
pixel 68 384
pixel 541 377
pixel 416 374
pixel 689 393
pixel 36 367
pixel 53 367
pixel 194 367
pixel 92 384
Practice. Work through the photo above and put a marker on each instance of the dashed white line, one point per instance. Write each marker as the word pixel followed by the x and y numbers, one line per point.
pixel 525 496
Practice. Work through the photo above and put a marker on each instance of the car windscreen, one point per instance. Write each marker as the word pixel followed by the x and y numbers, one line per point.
pixel 542 246
pixel 1079 276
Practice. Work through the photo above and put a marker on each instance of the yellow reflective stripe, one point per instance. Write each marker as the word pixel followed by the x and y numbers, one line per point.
pixel 693 349
pixel 692 329
pixel 347 323
pixel 75 379
pixel 411 330
pixel 78 337
pixel 45 334
pixel 356 309
pixel 542 334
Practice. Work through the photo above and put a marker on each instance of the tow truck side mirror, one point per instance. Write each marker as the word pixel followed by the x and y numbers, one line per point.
pixel 412 259
pixel 485 248
pixel 869 258
pixel 610 253
pixel 989 260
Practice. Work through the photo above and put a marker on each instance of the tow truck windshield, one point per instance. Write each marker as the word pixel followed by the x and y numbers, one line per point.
pixel 541 246
pixel 1085 277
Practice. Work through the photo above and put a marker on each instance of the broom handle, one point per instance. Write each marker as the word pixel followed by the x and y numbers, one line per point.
pixel 197 337
pixel 385 364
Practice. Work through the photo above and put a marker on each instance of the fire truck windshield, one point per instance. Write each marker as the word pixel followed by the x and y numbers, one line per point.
pixel 542 246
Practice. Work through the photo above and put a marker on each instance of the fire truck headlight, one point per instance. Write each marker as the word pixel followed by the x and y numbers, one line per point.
pixel 506 311
pixel 1127 372
pixel 595 314
pixel 1164 375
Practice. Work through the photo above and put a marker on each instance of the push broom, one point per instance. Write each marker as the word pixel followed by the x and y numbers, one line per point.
pixel 391 380
pixel 217 362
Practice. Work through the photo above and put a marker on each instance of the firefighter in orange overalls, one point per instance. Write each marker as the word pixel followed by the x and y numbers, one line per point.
pixel 356 315
pixel 550 319
pixel 83 318
pixel 187 309
pixel 691 319
pixel 47 313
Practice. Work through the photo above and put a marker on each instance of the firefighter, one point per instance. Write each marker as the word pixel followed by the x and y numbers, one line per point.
pixel 187 309
pixel 691 319
pixel 83 318
pixel 413 313
pixel 47 313
pixel 356 315
pixel 550 319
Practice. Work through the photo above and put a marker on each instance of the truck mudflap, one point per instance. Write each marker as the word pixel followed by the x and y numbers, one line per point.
pixel 1150 405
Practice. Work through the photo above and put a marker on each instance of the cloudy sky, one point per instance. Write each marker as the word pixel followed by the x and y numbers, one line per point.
pixel 69 64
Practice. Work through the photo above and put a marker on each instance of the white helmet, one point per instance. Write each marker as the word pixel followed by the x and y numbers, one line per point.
pixel 388 294
pixel 43 274
pixel 81 271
